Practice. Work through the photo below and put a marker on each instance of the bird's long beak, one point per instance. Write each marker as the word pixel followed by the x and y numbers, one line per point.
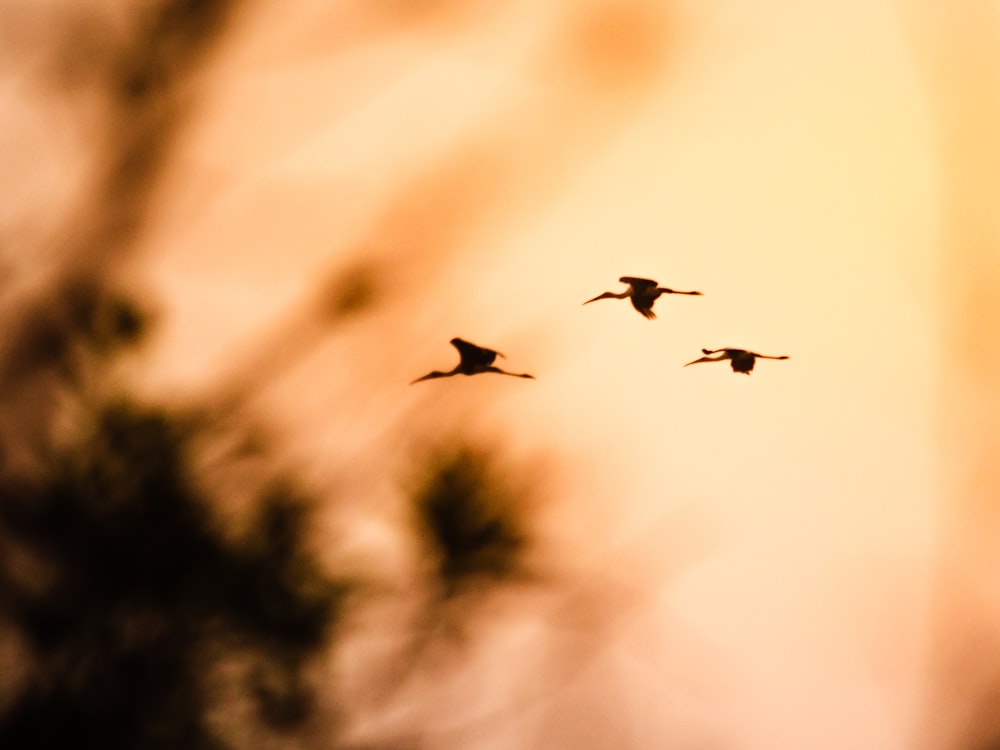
pixel 599 296
pixel 703 359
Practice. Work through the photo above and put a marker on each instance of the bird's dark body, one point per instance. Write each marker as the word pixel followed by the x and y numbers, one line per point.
pixel 644 294
pixel 743 363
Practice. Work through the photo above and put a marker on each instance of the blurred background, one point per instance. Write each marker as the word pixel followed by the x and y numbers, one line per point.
pixel 232 233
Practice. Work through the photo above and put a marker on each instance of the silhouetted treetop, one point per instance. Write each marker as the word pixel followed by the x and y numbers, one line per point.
pixel 132 591
pixel 471 520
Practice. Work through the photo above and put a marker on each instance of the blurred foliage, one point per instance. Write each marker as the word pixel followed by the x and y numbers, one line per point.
pixel 86 318
pixel 471 520
pixel 350 292
pixel 128 596
pixel 118 581
pixel 131 614
pixel 121 592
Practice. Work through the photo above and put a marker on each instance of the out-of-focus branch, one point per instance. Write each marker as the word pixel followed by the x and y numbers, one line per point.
pixel 140 78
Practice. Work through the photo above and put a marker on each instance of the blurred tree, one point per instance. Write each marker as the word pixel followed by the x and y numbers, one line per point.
pixel 471 520
pixel 125 600
pixel 122 589
pixel 119 590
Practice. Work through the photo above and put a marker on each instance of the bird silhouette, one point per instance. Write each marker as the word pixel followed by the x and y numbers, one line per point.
pixel 741 360
pixel 474 360
pixel 642 292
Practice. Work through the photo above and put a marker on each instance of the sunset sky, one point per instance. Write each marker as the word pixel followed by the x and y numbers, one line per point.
pixel 504 165
pixel 762 549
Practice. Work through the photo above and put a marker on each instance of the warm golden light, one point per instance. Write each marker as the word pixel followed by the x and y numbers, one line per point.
pixel 781 558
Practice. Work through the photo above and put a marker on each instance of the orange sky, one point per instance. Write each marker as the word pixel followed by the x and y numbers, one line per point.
pixel 500 165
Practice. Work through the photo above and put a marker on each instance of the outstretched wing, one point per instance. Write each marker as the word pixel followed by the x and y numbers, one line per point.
pixel 703 359
pixel 640 285
pixel 474 355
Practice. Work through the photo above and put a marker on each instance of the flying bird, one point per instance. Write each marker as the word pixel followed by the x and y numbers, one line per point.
pixel 642 292
pixel 474 360
pixel 741 360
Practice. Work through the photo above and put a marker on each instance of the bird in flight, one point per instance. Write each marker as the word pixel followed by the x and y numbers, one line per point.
pixel 741 360
pixel 474 360
pixel 642 292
